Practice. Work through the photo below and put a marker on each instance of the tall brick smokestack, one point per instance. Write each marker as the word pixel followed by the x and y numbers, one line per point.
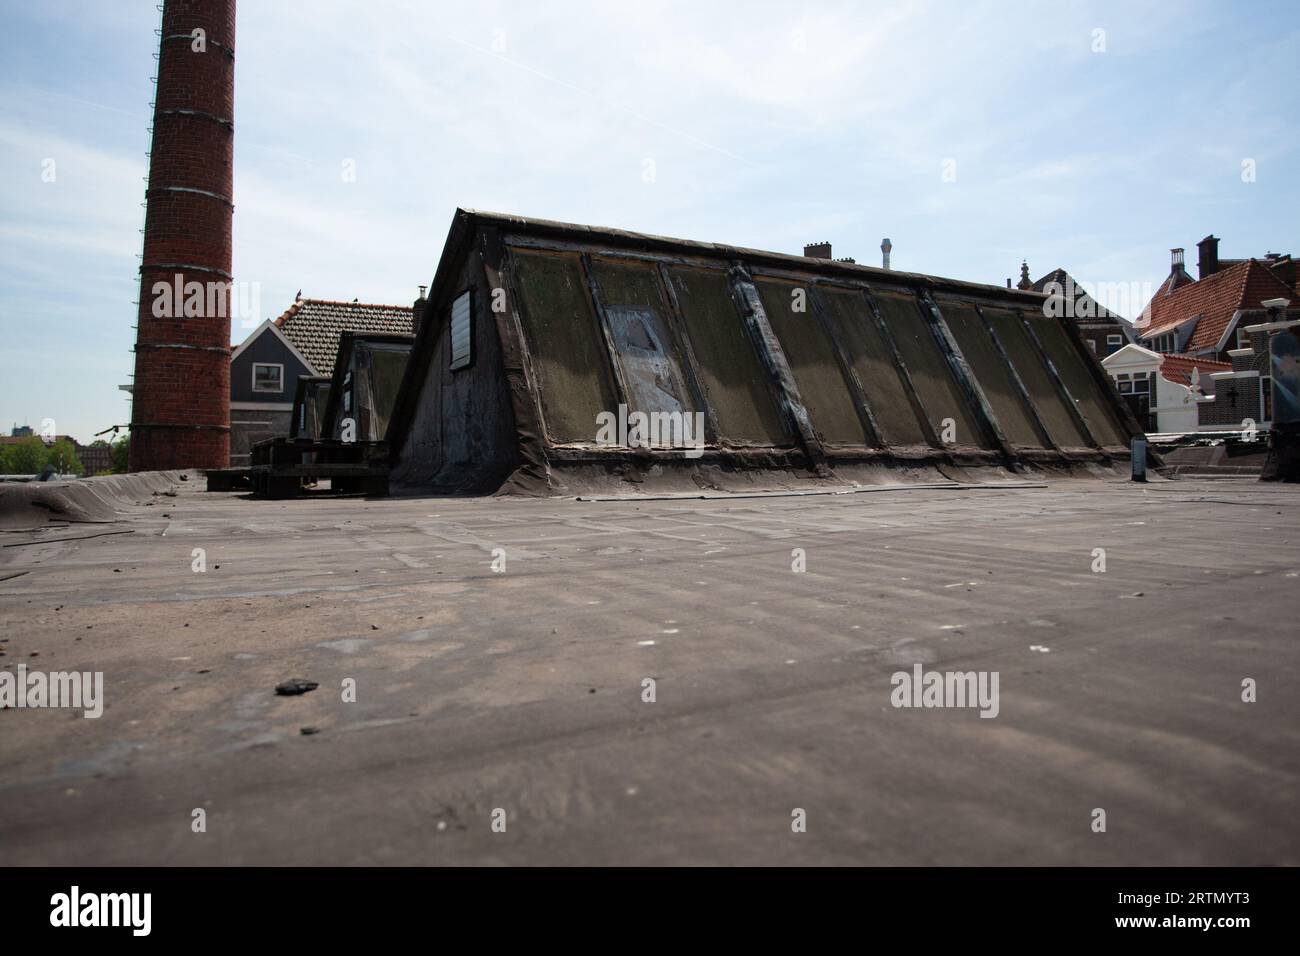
pixel 180 411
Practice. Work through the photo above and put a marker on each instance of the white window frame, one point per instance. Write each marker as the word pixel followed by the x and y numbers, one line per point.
pixel 1114 340
pixel 268 391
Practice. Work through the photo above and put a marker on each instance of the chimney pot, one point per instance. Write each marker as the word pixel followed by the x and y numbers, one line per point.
pixel 1175 258
pixel 417 311
pixel 885 248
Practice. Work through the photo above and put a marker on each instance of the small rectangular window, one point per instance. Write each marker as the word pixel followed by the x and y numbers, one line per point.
pixel 268 377
pixel 462 332
pixel 1114 339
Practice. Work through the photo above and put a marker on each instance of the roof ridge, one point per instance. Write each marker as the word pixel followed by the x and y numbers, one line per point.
pixel 1184 357
pixel 1266 270
pixel 1245 280
pixel 366 305
pixel 287 314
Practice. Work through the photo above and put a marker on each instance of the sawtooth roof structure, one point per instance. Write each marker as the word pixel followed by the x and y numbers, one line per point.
pixel 310 398
pixel 803 371
pixel 368 372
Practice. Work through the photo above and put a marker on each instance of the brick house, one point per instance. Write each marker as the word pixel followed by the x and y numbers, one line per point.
pixel 1201 317
pixel 1245 391
pixel 96 459
pixel 1216 317
pixel 303 341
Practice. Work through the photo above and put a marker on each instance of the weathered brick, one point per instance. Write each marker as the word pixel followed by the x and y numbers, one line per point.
pixel 180 416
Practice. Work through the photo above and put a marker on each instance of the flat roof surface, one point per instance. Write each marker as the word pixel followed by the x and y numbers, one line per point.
pixel 522 690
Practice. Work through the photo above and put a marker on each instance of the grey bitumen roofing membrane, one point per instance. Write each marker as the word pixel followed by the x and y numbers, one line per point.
pixel 789 370
pixel 523 688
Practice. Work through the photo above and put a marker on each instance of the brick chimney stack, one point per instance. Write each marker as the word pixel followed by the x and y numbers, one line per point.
pixel 1208 258
pixel 180 410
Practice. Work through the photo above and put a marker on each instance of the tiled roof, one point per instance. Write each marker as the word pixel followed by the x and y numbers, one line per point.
pixel 1214 299
pixel 1284 267
pixel 314 326
pixel 1178 368
pixel 1176 279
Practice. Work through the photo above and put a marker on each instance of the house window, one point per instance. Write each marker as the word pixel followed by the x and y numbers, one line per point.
pixel 268 377
pixel 462 332
pixel 1138 383
pixel 1113 342
pixel 1266 398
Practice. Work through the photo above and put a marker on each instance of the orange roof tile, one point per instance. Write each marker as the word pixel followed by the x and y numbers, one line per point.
pixel 1178 368
pixel 1212 301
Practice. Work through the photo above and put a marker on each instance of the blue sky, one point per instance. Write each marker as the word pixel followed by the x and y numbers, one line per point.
pixel 763 125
